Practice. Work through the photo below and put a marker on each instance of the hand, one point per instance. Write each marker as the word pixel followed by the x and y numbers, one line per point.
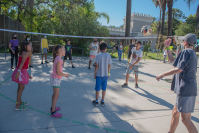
pixel 17 75
pixel 159 77
pixel 167 42
pixel 131 67
pixel 13 52
pixel 67 75
pixel 30 77
pixel 94 76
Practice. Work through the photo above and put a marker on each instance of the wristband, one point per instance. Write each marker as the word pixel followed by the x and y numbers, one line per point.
pixel 167 48
pixel 19 70
pixel 109 74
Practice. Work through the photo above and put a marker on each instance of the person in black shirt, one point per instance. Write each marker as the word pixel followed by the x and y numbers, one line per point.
pixel 68 52
pixel 129 50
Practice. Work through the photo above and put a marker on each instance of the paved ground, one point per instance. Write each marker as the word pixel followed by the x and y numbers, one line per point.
pixel 145 109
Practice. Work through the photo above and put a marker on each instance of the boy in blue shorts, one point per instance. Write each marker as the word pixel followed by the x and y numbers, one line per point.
pixel 102 71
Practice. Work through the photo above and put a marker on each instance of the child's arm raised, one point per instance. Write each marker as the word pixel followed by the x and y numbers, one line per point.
pixel 24 57
pixel 58 72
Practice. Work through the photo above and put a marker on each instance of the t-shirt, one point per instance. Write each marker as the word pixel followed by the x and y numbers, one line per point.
pixel 54 74
pixel 68 48
pixel 14 43
pixel 135 54
pixel 165 52
pixel 131 46
pixel 103 60
pixel 184 83
pixel 94 49
pixel 114 48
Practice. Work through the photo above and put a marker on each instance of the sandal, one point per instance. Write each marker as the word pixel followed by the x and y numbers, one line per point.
pixel 22 108
pixel 25 104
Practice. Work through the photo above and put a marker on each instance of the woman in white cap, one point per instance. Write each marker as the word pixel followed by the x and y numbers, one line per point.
pixel 184 83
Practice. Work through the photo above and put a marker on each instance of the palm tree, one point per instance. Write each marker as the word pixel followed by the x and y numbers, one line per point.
pixel 128 18
pixel 197 20
pixel 169 5
pixel 163 5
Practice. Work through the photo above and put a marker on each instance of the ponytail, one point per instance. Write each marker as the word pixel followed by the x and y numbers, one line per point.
pixel 56 51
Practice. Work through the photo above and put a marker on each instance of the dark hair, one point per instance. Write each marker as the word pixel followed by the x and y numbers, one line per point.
pixel 68 40
pixel 13 35
pixel 24 46
pixel 56 51
pixel 26 38
pixel 138 42
pixel 115 43
pixel 103 46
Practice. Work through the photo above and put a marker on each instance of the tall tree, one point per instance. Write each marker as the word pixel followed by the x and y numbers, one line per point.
pixel 169 5
pixel 197 20
pixel 128 18
pixel 163 4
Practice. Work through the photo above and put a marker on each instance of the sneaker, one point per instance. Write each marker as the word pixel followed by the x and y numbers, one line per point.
pixel 42 63
pixel 95 103
pixel 102 104
pixel 136 85
pixel 57 108
pixel 126 68
pixel 89 68
pixel 93 64
pixel 46 62
pixel 56 115
pixel 30 66
pixel 73 66
pixel 124 85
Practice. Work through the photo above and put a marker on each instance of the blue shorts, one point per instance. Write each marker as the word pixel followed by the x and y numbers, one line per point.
pixel 101 81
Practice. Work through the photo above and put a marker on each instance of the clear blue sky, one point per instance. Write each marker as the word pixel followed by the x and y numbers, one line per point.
pixel 116 9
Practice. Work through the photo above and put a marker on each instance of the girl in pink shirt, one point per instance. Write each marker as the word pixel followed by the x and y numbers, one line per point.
pixel 56 78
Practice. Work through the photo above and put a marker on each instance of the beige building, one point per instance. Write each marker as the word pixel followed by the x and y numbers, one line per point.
pixel 137 22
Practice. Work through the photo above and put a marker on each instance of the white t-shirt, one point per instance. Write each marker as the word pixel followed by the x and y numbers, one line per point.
pixel 165 52
pixel 95 51
pixel 103 59
pixel 135 54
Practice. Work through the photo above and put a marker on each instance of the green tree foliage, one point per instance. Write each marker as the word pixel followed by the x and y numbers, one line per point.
pixel 187 27
pixel 67 17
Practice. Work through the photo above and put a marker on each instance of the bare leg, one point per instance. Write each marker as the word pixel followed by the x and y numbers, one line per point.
pixel 186 119
pixel 54 98
pixel 71 62
pixel 19 95
pixel 42 57
pixel 45 56
pixel 136 78
pixel 90 62
pixel 174 120
pixel 103 94
pixel 128 62
pixel 97 95
pixel 127 77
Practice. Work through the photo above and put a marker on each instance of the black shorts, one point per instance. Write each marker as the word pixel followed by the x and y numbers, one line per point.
pixel 129 55
pixel 67 55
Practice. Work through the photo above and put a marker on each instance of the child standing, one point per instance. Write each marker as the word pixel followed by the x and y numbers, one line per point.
pixel 134 64
pixel 114 47
pixel 164 55
pixel 68 50
pixel 120 48
pixel 102 71
pixel 56 78
pixel 20 74
pixel 93 51
pixel 184 83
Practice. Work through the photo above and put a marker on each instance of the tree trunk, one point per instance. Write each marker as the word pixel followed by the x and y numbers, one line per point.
pixel 158 32
pixel 128 18
pixel 163 16
pixel 169 5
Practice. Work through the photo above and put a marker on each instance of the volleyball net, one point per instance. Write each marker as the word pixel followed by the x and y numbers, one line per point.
pixel 152 46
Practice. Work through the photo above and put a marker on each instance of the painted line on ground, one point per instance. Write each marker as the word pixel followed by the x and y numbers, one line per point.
pixel 5 80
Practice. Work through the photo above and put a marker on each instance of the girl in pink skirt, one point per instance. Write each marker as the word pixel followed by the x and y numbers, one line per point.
pixel 20 74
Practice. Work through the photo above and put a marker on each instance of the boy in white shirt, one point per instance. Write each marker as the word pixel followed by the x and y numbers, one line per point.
pixel 136 55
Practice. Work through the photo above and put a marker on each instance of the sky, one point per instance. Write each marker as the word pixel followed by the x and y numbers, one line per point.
pixel 116 9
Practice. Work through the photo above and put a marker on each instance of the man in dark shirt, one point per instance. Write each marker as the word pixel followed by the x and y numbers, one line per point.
pixel 68 52
pixel 129 50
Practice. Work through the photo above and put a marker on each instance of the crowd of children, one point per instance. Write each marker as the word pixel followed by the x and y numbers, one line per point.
pixel 183 84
